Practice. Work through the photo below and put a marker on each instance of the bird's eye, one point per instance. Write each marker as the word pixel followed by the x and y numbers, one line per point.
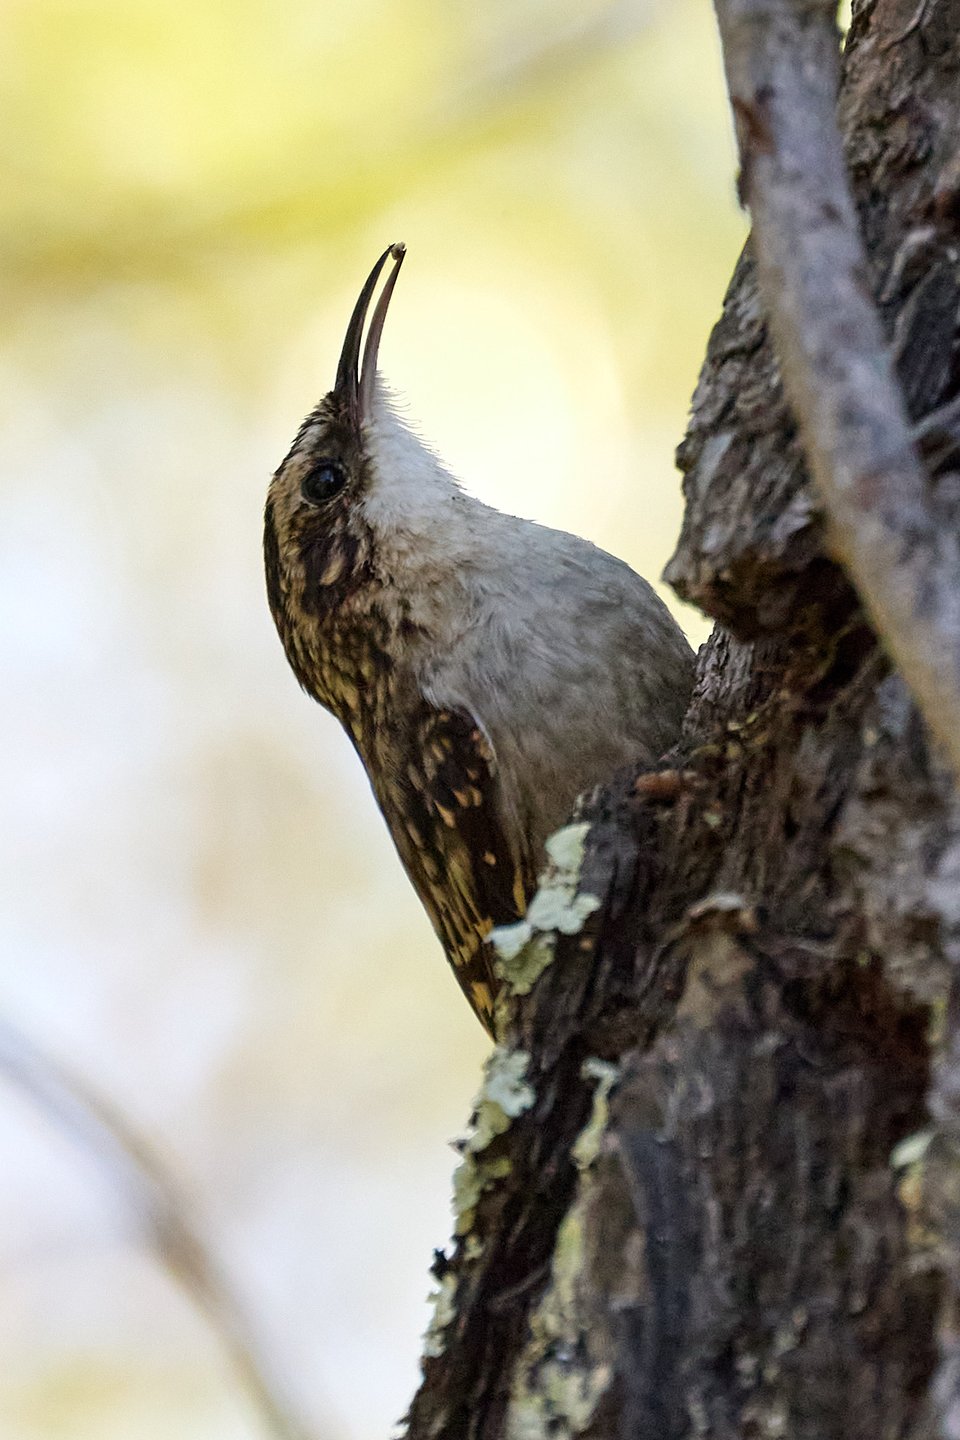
pixel 323 482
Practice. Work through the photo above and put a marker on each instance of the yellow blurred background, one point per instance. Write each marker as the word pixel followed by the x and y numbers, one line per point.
pixel 202 912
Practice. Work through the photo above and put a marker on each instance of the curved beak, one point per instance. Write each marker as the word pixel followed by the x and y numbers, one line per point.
pixel 354 383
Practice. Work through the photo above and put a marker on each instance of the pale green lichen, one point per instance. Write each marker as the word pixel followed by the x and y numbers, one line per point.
pixel 556 1315
pixel 557 1392
pixel 574 1394
pixel 586 1147
pixel 562 1409
pixel 566 847
pixel 443 1308
pixel 561 1380
pixel 911 1150
pixel 524 950
pixel 509 942
pixel 467 1189
pixel 470 1179
pixel 937 1021
pixel 559 908
pixel 504 1094
pixel 556 905
pixel 522 970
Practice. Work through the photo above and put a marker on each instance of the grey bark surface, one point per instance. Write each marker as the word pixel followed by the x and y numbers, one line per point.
pixel 725 1198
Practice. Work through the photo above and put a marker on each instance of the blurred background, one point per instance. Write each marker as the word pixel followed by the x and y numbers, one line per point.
pixel 202 913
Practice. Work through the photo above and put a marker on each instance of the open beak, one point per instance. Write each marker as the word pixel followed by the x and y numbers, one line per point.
pixel 355 382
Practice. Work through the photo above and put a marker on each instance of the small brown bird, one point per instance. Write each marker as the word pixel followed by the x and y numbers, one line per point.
pixel 487 669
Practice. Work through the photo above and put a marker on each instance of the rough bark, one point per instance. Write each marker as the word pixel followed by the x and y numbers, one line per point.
pixel 839 376
pixel 713 1186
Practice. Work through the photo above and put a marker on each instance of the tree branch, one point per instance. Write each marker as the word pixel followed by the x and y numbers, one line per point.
pixel 781 61
pixel 162 1214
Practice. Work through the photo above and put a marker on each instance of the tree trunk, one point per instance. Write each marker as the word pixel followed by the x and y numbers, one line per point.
pixel 713 1181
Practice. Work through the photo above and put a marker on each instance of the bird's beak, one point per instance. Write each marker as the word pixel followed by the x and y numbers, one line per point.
pixel 354 384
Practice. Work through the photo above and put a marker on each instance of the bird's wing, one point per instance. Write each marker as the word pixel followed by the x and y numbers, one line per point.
pixel 447 818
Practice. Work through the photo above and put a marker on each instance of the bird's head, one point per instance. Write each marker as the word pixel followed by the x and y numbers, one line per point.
pixel 361 513
pixel 316 539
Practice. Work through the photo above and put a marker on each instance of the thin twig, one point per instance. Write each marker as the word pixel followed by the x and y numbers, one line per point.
pixel 782 59
pixel 162 1213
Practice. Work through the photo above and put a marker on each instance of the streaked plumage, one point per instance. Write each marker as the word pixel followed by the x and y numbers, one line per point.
pixel 487 669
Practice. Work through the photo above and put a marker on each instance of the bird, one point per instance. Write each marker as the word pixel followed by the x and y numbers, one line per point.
pixel 487 669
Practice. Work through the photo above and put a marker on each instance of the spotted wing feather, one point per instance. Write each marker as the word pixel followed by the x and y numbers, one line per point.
pixel 446 816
